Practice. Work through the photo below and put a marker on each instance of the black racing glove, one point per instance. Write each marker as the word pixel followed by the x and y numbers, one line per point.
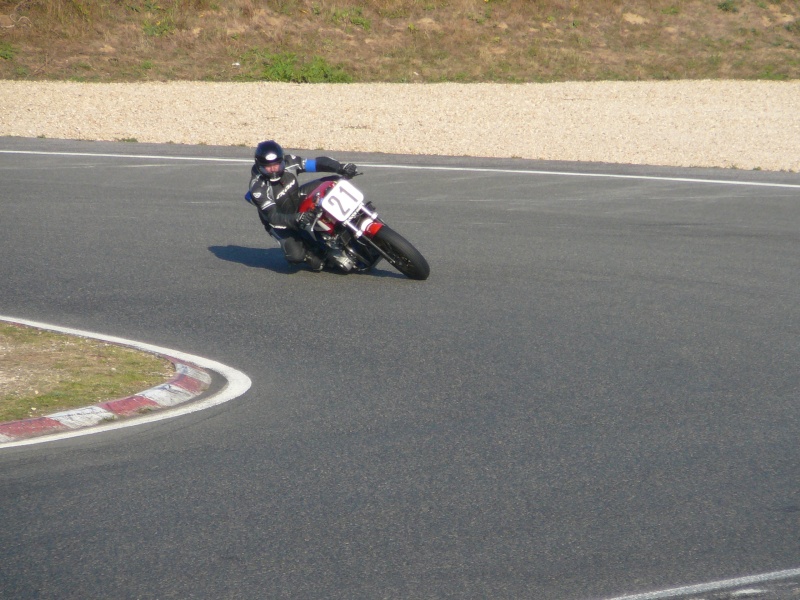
pixel 304 219
pixel 349 170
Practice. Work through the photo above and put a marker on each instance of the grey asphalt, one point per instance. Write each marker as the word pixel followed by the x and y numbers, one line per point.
pixel 596 393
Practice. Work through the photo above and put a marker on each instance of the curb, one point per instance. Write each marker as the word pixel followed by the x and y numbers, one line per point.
pixel 189 382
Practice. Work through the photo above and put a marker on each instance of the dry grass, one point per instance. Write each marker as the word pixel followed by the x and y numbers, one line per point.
pixel 399 40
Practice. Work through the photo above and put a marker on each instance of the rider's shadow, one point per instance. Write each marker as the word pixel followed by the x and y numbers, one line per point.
pixel 260 258
pixel 272 259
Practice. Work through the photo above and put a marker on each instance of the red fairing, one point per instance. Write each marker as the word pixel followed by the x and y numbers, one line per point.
pixel 306 205
pixel 318 192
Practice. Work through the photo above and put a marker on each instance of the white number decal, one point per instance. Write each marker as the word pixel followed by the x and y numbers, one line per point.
pixel 343 200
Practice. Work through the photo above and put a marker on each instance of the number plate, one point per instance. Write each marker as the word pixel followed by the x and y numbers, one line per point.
pixel 343 200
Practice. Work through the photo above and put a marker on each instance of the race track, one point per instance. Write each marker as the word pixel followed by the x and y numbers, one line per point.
pixel 596 393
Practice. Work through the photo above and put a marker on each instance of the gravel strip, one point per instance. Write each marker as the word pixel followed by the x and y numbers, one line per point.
pixel 741 124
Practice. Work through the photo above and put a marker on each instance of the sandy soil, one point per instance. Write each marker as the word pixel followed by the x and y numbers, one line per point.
pixel 742 124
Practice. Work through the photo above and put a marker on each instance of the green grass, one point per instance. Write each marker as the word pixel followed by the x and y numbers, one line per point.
pixel 353 16
pixel 260 64
pixel 6 51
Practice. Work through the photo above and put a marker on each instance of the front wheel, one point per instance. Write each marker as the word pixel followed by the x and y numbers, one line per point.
pixel 401 254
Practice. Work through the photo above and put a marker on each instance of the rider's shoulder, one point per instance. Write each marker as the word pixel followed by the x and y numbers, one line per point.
pixel 257 181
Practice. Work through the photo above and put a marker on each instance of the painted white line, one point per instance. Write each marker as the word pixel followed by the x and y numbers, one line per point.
pixel 795 186
pixel 167 395
pixel 712 586
pixel 138 156
pixel 237 383
pixel 603 175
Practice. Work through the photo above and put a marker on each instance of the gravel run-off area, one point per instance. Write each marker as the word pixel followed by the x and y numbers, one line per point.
pixel 732 124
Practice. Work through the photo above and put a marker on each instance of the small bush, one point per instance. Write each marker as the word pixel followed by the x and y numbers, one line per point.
pixel 287 67
pixel 728 6
pixel 354 16
pixel 7 51
pixel 158 28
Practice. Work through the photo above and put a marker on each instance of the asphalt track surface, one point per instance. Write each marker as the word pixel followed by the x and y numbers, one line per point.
pixel 595 394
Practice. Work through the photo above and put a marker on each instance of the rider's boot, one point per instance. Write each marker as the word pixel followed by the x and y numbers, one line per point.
pixel 314 262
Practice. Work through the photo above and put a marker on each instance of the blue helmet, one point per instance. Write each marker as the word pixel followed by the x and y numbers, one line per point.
pixel 270 160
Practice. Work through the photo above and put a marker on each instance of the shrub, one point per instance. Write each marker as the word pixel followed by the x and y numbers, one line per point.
pixel 7 51
pixel 286 66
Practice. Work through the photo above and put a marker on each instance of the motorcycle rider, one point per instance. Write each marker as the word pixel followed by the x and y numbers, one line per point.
pixel 275 191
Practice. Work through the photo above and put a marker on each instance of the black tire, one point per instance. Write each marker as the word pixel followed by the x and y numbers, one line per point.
pixel 401 254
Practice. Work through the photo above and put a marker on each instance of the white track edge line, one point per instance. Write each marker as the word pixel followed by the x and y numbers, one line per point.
pixel 237 383
pixel 712 586
pixel 434 168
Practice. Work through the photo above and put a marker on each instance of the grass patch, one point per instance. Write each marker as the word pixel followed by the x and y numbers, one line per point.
pixel 353 16
pixel 42 372
pixel 6 51
pixel 158 28
pixel 288 67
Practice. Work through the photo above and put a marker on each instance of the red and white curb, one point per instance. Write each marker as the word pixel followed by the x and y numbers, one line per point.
pixel 189 382
pixel 192 378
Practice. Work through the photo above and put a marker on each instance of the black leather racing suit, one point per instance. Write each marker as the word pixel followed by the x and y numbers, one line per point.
pixel 278 201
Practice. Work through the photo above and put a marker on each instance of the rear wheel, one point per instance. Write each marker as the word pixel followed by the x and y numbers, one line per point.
pixel 401 254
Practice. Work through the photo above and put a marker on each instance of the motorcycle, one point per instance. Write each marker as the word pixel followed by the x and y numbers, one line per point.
pixel 349 235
